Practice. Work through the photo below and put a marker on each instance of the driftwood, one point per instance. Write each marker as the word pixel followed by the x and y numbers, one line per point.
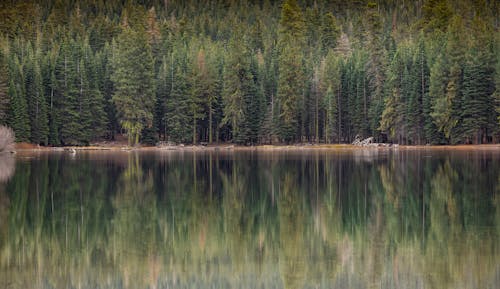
pixel 369 142
pixel 359 142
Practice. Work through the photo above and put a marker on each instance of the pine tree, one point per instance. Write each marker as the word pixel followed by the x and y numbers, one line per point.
pixel 37 108
pixel 330 32
pixel 376 65
pixel 421 83
pixel 177 111
pixel 107 88
pixel 254 99
pixel 446 80
pixel 133 76
pixel 392 120
pixel 94 115
pixel 291 77
pixel 66 99
pixel 332 92
pixel 236 79
pixel 478 86
pixel 202 90
pixel 496 95
pixel 4 97
pixel 18 115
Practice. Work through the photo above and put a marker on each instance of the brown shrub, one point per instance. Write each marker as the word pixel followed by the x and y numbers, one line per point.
pixel 7 139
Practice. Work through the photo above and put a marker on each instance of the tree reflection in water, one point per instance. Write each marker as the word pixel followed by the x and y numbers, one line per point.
pixel 252 220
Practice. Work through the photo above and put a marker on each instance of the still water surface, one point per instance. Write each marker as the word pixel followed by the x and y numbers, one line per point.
pixel 318 219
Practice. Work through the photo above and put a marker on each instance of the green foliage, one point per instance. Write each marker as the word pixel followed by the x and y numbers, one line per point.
pixel 177 109
pixel 247 72
pixel 18 116
pixel 132 75
pixel 291 77
pixel 436 14
pixel 4 96
pixel 34 93
pixel 477 107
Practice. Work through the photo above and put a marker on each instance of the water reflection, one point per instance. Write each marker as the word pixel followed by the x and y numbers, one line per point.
pixel 7 167
pixel 252 220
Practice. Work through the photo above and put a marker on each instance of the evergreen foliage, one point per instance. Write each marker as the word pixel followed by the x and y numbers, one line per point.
pixel 132 75
pixel 250 72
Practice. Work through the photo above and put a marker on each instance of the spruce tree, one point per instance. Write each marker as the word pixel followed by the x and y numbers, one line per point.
pixel 177 111
pixel 332 75
pixel 133 78
pixel 291 77
pixel 376 65
pixel 4 97
pixel 237 77
pixel 37 108
pixel 18 115
pixel 478 86
pixel 67 94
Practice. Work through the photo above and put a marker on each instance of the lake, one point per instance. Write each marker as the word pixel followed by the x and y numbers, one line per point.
pixel 246 219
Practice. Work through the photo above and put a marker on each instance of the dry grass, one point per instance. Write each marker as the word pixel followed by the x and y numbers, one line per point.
pixel 7 139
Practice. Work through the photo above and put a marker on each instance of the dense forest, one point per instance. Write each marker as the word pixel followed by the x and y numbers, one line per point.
pixel 249 72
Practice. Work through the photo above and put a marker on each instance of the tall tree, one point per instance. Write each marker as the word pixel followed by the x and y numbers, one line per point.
pixel 37 108
pixel 18 116
pixel 291 76
pixel 332 88
pixel 376 65
pixel 4 97
pixel 133 78
pixel 177 111
pixel 478 86
pixel 237 77
pixel 446 80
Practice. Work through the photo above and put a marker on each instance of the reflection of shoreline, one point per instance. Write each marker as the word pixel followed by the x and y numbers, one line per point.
pixel 7 167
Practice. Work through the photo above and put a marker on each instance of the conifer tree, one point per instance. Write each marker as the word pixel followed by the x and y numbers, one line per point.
pixel 4 97
pixel 37 108
pixel 18 115
pixel 133 76
pixel 478 86
pixel 69 90
pixel 239 86
pixel 332 82
pixel 446 82
pixel 291 77
pixel 177 111
pixel 376 66
pixel 421 83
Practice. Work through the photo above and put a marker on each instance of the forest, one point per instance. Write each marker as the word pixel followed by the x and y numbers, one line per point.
pixel 250 71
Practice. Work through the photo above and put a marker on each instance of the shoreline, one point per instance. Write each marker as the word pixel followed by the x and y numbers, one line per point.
pixel 231 147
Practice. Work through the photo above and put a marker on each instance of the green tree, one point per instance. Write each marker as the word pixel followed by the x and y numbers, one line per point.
pixel 394 116
pixel 436 15
pixel 290 75
pixel 496 95
pixel 133 78
pixel 18 115
pixel 202 91
pixel 237 77
pixel 177 111
pixel 446 80
pixel 4 97
pixel 477 106
pixel 37 108
pixel 331 101
pixel 376 65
